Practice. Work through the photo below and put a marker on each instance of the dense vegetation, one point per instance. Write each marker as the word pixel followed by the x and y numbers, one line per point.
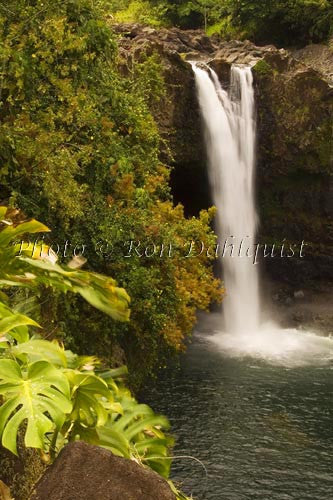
pixel 282 22
pixel 50 395
pixel 79 150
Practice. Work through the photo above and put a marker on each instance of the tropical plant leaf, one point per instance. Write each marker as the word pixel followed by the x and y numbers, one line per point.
pixel 81 363
pixel 15 320
pixel 115 441
pixel 137 434
pixel 38 395
pixel 100 291
pixel 40 349
pixel 11 233
pixel 33 264
pixel 114 373
pixel 14 324
pixel 86 392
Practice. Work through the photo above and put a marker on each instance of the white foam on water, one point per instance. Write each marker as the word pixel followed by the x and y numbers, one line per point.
pixel 286 347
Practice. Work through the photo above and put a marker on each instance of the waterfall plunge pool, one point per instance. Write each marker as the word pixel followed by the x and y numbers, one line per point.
pixel 262 426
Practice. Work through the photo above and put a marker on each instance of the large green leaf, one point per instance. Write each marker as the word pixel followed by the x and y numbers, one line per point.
pixel 86 393
pixel 114 441
pixel 14 321
pixel 100 291
pixel 39 349
pixel 14 325
pixel 38 396
pixel 11 232
pixel 137 433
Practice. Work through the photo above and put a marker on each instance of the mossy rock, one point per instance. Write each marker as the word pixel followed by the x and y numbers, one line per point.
pixel 21 473
pixel 263 68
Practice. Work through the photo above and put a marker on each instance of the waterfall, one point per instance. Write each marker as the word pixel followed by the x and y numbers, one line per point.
pixel 230 141
pixel 230 133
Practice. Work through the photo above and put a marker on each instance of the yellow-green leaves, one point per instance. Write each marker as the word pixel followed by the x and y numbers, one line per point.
pixel 18 269
pixel 86 393
pixel 13 326
pixel 80 146
pixel 100 291
pixel 38 395
pixel 36 349
pixel 59 404
pixel 137 433
pixel 36 385
pixel 12 232
pixel 13 321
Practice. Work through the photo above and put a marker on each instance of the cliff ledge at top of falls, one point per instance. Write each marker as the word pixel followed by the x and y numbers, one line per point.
pixel 277 74
pixel 196 45
pixel 294 107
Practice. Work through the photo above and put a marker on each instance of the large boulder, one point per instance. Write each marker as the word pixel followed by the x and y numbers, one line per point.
pixel 86 472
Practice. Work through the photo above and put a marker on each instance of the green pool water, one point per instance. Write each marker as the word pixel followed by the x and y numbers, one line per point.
pixel 262 430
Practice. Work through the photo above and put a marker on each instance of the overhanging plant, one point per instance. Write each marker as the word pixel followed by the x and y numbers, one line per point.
pixel 32 265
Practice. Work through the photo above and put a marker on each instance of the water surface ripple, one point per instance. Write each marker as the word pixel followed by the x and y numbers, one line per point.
pixel 263 431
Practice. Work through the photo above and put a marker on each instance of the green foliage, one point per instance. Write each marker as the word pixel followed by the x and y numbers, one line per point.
pixel 39 394
pixel 53 395
pixel 291 22
pixel 32 265
pixel 67 399
pixel 142 11
pixel 263 68
pixel 79 150
pixel 62 404
pixel 186 14
pixel 283 22
pixel 205 9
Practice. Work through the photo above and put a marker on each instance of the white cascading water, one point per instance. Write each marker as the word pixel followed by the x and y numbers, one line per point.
pixel 230 134
pixel 230 138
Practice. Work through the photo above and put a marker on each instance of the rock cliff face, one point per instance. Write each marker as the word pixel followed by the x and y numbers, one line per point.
pixel 294 113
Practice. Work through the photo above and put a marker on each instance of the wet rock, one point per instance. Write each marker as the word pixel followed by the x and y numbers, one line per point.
pixel 85 472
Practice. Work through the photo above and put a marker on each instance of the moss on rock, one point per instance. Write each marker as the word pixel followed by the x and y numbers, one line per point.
pixel 21 473
pixel 263 68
